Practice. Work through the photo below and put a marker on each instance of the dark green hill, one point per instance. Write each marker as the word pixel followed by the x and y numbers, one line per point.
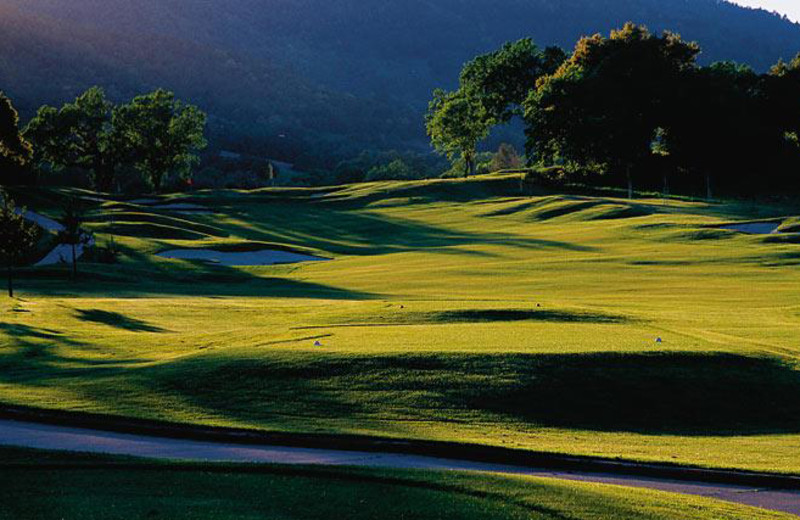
pixel 341 74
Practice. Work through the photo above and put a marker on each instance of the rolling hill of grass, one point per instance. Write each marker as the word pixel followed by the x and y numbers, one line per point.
pixel 47 485
pixel 453 310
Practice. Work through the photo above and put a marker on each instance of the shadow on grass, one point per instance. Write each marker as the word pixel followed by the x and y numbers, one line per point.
pixel 352 232
pixel 142 274
pixel 116 320
pixel 660 393
pixel 505 315
pixel 27 336
pixel 402 318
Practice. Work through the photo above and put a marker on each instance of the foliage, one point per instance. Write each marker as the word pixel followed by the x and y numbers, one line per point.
pixel 79 135
pixel 456 123
pixel 606 102
pixel 73 233
pixel 279 92
pixel 162 135
pixel 17 236
pixel 15 150
pixel 491 91
pixel 506 158
pixel 155 134
pixel 395 170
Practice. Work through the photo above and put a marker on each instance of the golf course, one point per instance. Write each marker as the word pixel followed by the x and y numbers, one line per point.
pixel 448 310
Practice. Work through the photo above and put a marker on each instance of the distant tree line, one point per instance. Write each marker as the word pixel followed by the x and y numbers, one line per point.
pixel 632 106
pixel 154 137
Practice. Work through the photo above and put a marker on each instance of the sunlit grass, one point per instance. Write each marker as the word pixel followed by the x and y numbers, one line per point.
pixel 454 310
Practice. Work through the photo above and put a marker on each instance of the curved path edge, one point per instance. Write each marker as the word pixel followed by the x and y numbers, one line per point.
pixel 65 431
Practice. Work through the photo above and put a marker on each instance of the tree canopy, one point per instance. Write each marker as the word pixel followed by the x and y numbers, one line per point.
pixel 17 236
pixel 15 151
pixel 162 135
pixel 155 134
pixel 605 104
pixel 492 89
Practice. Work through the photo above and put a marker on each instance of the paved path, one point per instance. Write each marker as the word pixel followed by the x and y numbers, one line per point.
pixel 31 435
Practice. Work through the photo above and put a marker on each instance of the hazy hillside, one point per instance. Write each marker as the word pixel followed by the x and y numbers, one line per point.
pixel 346 72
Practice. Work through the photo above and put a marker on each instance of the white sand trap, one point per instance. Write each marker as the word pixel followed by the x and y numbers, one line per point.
pixel 42 221
pixel 241 259
pixel 754 228
pixel 62 253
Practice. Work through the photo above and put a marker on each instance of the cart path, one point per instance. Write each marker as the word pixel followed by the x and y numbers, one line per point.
pixel 33 435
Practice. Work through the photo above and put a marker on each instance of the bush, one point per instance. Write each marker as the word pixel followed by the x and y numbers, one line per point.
pixel 396 170
pixel 549 177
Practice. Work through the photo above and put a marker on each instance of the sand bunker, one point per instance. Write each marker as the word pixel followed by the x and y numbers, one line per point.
pixel 754 228
pixel 179 207
pixel 62 253
pixel 241 259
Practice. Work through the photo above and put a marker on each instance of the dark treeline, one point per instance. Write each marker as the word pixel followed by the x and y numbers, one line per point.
pixel 635 108
pixel 315 82
pixel 144 144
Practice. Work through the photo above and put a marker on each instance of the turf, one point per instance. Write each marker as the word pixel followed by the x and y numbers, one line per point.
pixel 453 310
pixel 45 485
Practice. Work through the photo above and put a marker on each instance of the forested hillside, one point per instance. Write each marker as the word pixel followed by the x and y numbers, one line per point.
pixel 282 75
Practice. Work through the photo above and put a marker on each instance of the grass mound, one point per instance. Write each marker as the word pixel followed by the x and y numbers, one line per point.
pixel 677 394
pixel 149 230
pixel 132 217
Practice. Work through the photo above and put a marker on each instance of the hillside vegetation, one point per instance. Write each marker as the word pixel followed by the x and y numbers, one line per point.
pixel 452 310
pixel 340 75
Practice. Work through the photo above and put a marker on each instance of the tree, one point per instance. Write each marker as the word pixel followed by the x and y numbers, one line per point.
pixel 17 237
pixel 456 124
pixel 15 151
pixel 717 128
pixel 162 135
pixel 79 135
pixel 501 81
pixel 491 92
pixel 604 104
pixel 73 234
pixel 506 158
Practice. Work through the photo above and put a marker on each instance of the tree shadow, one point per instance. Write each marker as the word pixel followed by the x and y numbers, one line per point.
pixel 654 394
pixel 506 315
pixel 116 320
pixel 27 336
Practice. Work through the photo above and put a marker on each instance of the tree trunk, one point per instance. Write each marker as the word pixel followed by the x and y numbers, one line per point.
pixel 469 160
pixel 666 187
pixel 708 187
pixel 630 183
pixel 74 263
pixel 104 176
pixel 10 282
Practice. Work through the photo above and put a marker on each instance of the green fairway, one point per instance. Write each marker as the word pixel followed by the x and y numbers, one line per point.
pixel 452 310
pixel 91 487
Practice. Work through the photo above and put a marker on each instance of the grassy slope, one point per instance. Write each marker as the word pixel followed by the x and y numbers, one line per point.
pixel 431 325
pixel 88 487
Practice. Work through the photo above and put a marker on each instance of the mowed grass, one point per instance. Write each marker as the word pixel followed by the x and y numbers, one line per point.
pixel 45 485
pixel 452 310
